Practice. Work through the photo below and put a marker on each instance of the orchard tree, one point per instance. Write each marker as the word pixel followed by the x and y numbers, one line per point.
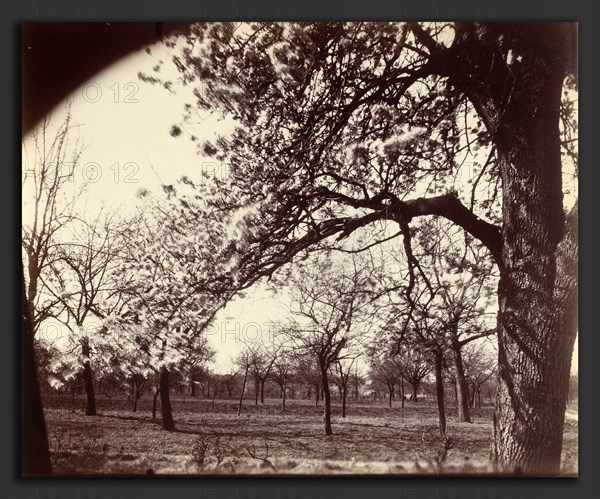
pixel 263 359
pixel 308 372
pixel 49 196
pixel 244 362
pixel 170 280
pixel 80 280
pixel 332 310
pixel 414 366
pixel 283 372
pixel 387 371
pixel 480 368
pixel 462 296
pixel 343 371
pixel 342 125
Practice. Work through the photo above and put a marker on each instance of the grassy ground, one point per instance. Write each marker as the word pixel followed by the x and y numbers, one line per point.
pixel 371 439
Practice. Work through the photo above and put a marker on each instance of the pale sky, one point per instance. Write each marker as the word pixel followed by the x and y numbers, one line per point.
pixel 125 126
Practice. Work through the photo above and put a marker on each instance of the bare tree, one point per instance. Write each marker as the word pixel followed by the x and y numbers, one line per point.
pixel 244 362
pixel 329 302
pixel 263 359
pixel 480 367
pixel 414 368
pixel 343 371
pixel 387 371
pixel 47 208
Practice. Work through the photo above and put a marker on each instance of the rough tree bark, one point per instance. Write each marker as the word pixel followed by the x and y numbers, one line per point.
pixel 165 402
pixel 88 379
pixel 537 322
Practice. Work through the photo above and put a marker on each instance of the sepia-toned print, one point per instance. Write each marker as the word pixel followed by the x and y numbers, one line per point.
pixel 300 249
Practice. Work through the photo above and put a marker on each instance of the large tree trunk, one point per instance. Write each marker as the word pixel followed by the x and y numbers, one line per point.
pixel 326 400
pixel 88 379
pixel 192 388
pixel 439 393
pixel 461 385
pixel 165 402
pixel 537 321
pixel 34 439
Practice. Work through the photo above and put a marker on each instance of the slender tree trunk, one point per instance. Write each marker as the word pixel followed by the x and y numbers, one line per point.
pixel 193 388
pixel 537 320
pixel 326 399
pixel 402 390
pixel 390 397
pixel 35 454
pixel 439 392
pixel 262 391
pixel 415 389
pixel 243 390
pixel 284 395
pixel 88 379
pixel 165 402
pixel 461 385
pixel 344 392
pixel 155 398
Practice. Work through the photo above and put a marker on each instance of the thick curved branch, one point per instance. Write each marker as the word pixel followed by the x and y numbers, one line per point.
pixel 447 206
pixel 450 207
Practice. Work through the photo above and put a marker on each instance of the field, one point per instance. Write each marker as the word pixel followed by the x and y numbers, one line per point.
pixel 372 439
